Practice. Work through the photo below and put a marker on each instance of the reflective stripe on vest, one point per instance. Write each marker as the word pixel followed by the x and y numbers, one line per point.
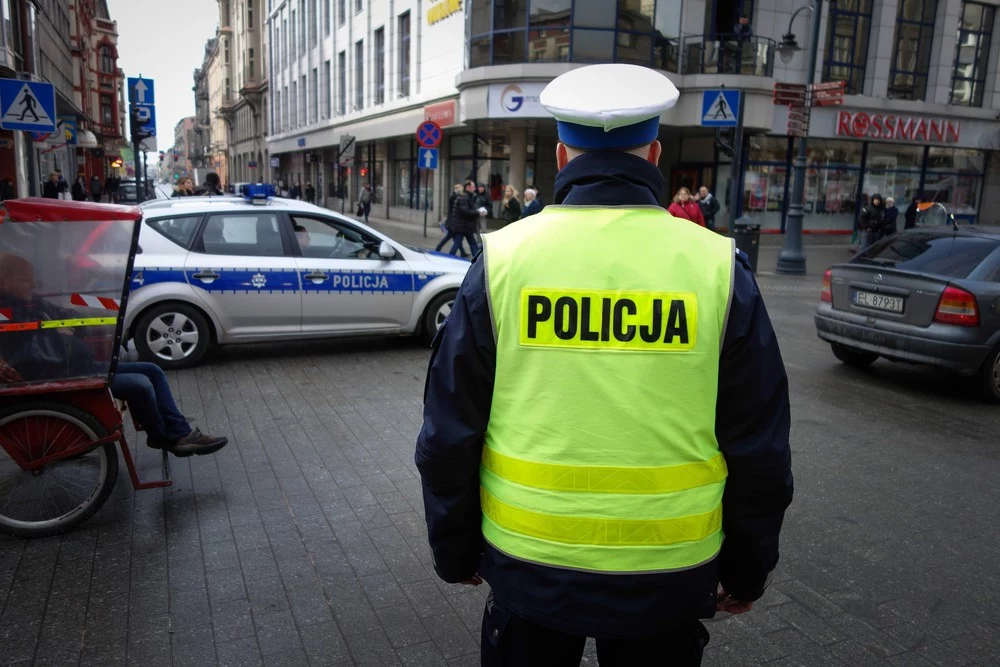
pixel 600 451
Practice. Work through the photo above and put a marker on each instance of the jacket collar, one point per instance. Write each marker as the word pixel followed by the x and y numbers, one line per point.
pixel 608 178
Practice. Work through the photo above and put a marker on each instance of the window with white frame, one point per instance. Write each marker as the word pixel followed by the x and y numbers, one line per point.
pixel 972 54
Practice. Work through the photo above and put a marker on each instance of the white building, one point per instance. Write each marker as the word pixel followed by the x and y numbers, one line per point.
pixel 920 114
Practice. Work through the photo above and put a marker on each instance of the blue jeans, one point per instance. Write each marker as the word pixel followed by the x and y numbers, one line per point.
pixel 144 387
pixel 868 238
pixel 457 243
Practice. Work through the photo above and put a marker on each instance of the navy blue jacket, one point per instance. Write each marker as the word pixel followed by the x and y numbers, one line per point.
pixel 752 424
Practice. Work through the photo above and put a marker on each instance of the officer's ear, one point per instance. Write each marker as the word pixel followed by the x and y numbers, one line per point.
pixel 562 156
pixel 655 151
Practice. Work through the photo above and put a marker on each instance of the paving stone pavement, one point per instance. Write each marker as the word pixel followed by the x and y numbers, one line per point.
pixel 303 541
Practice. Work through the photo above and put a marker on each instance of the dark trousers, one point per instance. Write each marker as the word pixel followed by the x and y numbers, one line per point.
pixel 144 387
pixel 470 237
pixel 511 641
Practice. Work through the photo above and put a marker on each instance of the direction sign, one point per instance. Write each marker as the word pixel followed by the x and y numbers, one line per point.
pixel 347 148
pixel 427 158
pixel 719 108
pixel 429 134
pixel 141 91
pixel 27 105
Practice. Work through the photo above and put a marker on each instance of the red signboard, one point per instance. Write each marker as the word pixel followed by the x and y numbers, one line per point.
pixel 829 85
pixel 828 94
pixel 789 93
pixel 442 113
pixel 897 127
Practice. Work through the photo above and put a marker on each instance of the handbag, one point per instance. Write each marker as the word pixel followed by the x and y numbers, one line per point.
pixel 361 210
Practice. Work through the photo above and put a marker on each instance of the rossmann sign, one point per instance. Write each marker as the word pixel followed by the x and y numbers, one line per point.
pixel 897 127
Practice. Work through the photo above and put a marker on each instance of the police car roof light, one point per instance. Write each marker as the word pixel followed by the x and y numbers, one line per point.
pixel 257 192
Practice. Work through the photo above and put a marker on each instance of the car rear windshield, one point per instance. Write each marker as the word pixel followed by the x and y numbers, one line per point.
pixel 951 256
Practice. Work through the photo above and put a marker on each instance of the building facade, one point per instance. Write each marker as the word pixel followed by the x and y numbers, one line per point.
pixel 201 149
pixel 919 116
pixel 246 115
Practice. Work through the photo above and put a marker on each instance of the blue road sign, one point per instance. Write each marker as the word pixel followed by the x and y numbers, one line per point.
pixel 429 134
pixel 140 91
pixel 27 105
pixel 427 158
pixel 146 113
pixel 67 124
pixel 719 108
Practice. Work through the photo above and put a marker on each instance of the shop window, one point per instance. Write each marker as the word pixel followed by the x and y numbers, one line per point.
pixel 972 53
pixel 914 37
pixel 847 43
pixel 895 156
pixel 955 159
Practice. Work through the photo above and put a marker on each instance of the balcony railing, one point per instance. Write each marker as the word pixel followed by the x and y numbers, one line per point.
pixel 729 54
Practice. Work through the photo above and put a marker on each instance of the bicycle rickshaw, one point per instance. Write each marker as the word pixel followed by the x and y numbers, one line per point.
pixel 65 274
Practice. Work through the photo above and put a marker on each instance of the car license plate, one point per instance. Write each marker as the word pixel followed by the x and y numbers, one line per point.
pixel 892 304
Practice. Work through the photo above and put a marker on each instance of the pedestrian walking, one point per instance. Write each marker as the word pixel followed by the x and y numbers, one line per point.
pixel 910 215
pixel 50 189
pixel 96 189
pixel 365 201
pixel 709 206
pixel 481 200
pixel 79 190
pixel 462 222
pixel 891 215
pixel 871 221
pixel 589 487
pixel 686 208
pixel 510 208
pixel 210 187
pixel 311 193
pixel 532 204
pixel 185 188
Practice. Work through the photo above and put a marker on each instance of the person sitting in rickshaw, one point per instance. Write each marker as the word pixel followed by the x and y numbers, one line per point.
pixel 56 354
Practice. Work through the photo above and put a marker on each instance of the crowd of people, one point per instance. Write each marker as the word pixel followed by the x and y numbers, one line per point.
pixel 469 207
pixel 56 187
pixel 700 208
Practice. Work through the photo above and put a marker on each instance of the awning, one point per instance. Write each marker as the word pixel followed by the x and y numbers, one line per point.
pixel 86 139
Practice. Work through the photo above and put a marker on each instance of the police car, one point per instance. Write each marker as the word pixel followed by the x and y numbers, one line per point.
pixel 219 270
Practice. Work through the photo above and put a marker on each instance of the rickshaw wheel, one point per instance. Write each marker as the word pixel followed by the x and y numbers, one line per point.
pixel 63 493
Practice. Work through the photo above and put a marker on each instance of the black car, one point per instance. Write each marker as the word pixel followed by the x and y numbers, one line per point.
pixel 929 295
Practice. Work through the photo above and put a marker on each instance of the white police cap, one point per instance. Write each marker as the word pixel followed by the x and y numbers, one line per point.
pixel 609 106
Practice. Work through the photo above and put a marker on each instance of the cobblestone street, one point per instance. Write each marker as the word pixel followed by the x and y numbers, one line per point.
pixel 303 541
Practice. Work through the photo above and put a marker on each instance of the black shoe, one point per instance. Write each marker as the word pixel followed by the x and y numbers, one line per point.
pixel 198 443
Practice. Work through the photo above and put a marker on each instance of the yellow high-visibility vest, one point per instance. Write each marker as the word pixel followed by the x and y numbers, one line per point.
pixel 600 453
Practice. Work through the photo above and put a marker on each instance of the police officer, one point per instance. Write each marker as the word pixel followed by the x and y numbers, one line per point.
pixel 606 401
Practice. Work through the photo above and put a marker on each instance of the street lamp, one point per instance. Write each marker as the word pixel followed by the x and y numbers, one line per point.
pixel 792 259
pixel 788 46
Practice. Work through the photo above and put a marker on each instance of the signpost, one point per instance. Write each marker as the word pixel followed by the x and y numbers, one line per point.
pixel 27 105
pixel 720 108
pixel 429 137
pixel 142 113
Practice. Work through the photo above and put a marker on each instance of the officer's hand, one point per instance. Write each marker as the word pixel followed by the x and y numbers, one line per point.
pixel 474 581
pixel 731 605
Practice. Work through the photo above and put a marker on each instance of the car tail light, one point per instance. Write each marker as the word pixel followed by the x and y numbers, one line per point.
pixel 826 295
pixel 957 306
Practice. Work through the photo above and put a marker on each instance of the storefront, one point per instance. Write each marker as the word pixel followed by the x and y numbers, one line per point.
pixel 854 154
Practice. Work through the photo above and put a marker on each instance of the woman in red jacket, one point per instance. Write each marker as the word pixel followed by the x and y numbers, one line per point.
pixel 687 208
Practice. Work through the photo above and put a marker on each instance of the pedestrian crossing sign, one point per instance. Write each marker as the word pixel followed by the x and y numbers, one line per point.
pixel 719 108
pixel 27 105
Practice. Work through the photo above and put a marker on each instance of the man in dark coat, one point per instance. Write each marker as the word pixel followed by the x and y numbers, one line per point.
pixel 910 216
pixel 871 221
pixel 211 186
pixel 463 221
pixel 891 215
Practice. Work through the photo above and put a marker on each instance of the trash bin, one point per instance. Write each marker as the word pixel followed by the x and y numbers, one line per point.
pixel 747 235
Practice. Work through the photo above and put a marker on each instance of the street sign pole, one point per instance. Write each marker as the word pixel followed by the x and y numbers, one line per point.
pixel 736 170
pixel 425 215
pixel 792 259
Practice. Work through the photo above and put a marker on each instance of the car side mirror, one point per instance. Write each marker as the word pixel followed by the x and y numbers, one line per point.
pixel 386 251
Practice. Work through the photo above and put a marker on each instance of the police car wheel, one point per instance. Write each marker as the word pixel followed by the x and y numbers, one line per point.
pixel 172 335
pixel 437 312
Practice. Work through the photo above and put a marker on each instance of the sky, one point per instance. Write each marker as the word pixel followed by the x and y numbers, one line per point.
pixel 165 41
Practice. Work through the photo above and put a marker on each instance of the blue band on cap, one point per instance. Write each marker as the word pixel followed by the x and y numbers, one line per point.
pixel 595 138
